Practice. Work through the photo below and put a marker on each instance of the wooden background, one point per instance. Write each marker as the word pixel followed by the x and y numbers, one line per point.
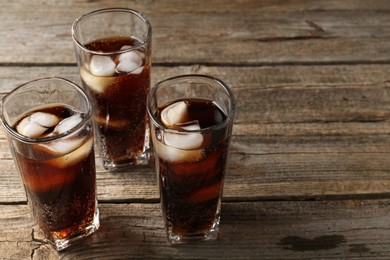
pixel 309 170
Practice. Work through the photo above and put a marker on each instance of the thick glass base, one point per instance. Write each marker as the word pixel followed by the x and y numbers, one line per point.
pixel 210 234
pixel 60 243
pixel 111 165
pixel 125 161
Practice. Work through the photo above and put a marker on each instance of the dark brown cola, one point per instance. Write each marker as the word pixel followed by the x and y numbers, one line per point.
pixel 59 175
pixel 191 178
pixel 118 91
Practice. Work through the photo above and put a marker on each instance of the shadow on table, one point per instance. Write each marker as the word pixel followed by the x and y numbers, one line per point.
pixel 249 230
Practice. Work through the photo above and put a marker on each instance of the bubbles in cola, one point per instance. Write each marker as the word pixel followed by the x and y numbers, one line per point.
pixel 191 164
pixel 117 84
pixel 58 171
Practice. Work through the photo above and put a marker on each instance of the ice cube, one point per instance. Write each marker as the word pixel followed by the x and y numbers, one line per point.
pixel 175 155
pixel 130 61
pixel 102 66
pixel 59 147
pixel 127 66
pixel 175 113
pixel 45 119
pixel 68 123
pixel 36 124
pixel 134 56
pixel 75 156
pixel 185 140
pixel 98 84
pixel 190 125
pixel 30 128
pixel 141 53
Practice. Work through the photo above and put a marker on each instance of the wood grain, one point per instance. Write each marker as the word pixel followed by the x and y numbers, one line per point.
pixel 256 230
pixel 217 32
pixel 297 133
pixel 308 173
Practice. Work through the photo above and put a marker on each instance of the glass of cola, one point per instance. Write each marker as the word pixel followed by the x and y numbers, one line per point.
pixel 50 133
pixel 191 119
pixel 113 51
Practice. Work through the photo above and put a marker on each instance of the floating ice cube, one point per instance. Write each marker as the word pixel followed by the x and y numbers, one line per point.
pixel 189 126
pixel 140 52
pixel 45 119
pixel 98 84
pixel 172 154
pixel 30 128
pixel 130 61
pixel 175 113
pixel 74 156
pixel 133 55
pixel 68 123
pixel 63 146
pixel 127 66
pixel 36 124
pixel 185 140
pixel 102 66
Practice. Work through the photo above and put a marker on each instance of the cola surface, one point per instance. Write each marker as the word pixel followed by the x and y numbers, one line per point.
pixel 191 178
pixel 59 178
pixel 119 99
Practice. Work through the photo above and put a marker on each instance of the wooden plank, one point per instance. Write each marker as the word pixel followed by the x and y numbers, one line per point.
pixel 281 147
pixel 308 172
pixel 238 32
pixel 251 230
pixel 274 94
pixel 16 231
pixel 263 168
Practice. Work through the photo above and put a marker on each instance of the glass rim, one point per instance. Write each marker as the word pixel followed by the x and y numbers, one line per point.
pixel 26 139
pixel 113 10
pixel 223 85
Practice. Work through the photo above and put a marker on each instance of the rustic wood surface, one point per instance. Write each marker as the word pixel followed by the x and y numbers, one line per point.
pixel 309 171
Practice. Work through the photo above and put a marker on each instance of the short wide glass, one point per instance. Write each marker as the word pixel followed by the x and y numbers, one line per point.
pixel 57 171
pixel 113 50
pixel 191 154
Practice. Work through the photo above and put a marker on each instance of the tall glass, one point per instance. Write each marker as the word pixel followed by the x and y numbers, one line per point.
pixel 113 50
pixel 191 119
pixel 49 129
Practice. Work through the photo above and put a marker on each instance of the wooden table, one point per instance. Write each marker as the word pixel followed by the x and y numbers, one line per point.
pixel 309 168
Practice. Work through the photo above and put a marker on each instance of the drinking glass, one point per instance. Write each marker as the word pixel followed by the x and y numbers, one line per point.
pixel 50 134
pixel 191 119
pixel 113 51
